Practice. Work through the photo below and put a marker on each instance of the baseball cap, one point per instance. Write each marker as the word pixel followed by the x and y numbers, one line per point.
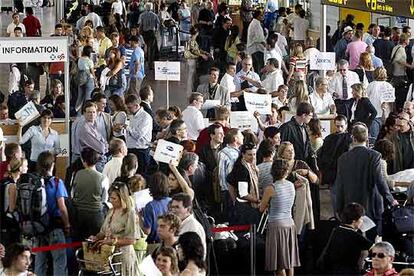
pixel 347 29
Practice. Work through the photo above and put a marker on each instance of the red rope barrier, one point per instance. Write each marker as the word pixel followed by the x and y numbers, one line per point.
pixel 230 228
pixel 56 247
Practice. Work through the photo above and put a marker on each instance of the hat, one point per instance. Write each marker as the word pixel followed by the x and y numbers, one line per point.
pixel 2 136
pixel 347 29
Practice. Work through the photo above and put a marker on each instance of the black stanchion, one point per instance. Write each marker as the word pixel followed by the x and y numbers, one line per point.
pixel 252 249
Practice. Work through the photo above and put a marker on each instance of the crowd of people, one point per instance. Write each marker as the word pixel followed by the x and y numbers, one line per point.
pixel 116 194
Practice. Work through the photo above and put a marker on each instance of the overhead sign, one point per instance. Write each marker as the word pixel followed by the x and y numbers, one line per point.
pixel 392 7
pixel 167 70
pixel 322 61
pixel 37 49
pixel 258 102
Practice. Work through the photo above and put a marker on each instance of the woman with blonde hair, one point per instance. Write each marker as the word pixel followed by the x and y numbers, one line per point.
pixel 119 228
pixel 297 62
pixel 375 93
pixel 365 68
pixel 300 95
pixel 361 108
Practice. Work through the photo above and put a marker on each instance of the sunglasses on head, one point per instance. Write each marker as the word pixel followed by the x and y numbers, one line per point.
pixel 378 255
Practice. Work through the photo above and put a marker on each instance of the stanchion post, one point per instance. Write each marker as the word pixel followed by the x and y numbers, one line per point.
pixel 168 88
pixel 253 249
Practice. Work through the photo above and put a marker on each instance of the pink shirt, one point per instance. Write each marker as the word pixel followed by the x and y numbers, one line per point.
pixel 354 50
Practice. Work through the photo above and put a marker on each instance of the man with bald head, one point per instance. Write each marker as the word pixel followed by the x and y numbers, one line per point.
pixel 403 141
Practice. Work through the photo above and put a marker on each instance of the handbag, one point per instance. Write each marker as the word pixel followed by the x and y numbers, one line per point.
pixel 403 218
pixel 97 259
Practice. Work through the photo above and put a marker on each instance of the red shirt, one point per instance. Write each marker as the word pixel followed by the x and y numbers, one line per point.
pixel 32 25
pixel 389 272
pixel 204 138
pixel 3 169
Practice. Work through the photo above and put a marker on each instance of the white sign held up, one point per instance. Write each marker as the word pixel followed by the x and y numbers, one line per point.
pixel 261 103
pixel 325 128
pixel 388 95
pixel 241 119
pixel 168 152
pixel 167 70
pixel 323 61
pixel 27 113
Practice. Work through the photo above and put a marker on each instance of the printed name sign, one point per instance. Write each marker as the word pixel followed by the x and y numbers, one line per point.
pixel 261 103
pixel 168 152
pixel 27 113
pixel 323 61
pixel 167 70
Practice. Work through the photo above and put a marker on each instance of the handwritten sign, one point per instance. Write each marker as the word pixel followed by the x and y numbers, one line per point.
pixel 27 113
pixel 258 102
pixel 241 119
pixel 168 152
pixel 167 70
pixel 322 61
pixel 388 95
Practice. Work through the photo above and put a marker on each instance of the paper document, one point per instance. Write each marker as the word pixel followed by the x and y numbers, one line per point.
pixel 148 267
pixel 243 188
pixel 367 224
pixel 210 104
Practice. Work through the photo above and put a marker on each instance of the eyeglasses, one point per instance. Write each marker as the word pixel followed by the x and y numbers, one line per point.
pixel 378 255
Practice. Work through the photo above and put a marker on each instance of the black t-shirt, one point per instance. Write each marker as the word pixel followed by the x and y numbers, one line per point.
pixel 345 249
pixel 407 150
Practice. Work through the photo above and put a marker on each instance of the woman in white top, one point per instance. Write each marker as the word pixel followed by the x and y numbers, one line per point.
pixel 300 95
pixel 119 115
pixel 42 137
pixel 376 91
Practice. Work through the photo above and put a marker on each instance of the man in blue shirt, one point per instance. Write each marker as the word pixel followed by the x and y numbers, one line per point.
pixel 59 224
pixel 136 66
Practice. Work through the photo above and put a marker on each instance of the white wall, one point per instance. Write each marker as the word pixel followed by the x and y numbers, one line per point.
pixel 315 20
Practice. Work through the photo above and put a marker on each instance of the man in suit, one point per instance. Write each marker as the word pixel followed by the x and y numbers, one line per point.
pixel 359 179
pixel 333 147
pixel 147 97
pixel 103 119
pixel 214 91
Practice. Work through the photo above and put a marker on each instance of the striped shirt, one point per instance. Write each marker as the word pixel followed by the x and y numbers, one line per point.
pixel 282 201
pixel 227 157
pixel 148 21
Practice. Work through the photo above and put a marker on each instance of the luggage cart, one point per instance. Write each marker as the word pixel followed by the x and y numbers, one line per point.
pixel 110 267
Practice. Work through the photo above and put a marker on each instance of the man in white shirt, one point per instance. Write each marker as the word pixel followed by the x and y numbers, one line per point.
pixel 193 117
pixel 138 133
pixel 300 28
pixel 274 77
pixel 321 101
pixel 340 86
pixel 15 23
pixel 181 206
pixel 227 81
pixel 256 40
pixel 246 78
pixel 118 150
pixel 311 50
pixel 341 82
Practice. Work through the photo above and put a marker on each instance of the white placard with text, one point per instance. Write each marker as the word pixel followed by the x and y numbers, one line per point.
pixel 323 61
pixel 27 113
pixel 167 70
pixel 261 103
pixel 168 152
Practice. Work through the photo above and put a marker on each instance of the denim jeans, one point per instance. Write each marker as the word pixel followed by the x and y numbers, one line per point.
pixel 375 128
pixel 84 93
pixel 59 256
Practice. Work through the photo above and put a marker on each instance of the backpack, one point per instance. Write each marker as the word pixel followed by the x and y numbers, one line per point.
pixel 32 205
pixel 83 77
pixel 3 212
pixel 403 219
